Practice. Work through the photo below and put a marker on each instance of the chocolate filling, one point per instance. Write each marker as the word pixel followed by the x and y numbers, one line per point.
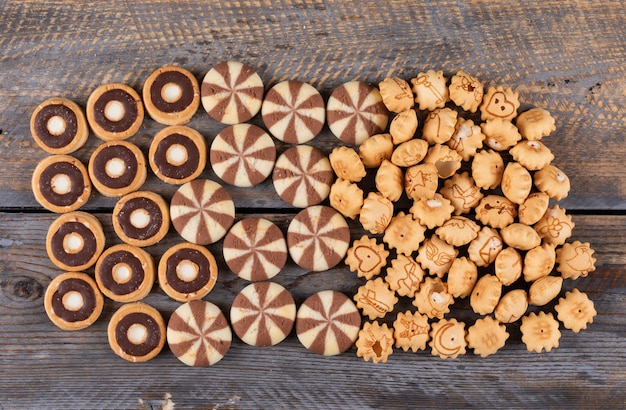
pixel 106 272
pixel 41 125
pixel 179 285
pixel 86 291
pixel 73 259
pixel 177 171
pixel 151 207
pixel 77 181
pixel 109 153
pixel 179 79
pixel 130 110
pixel 151 342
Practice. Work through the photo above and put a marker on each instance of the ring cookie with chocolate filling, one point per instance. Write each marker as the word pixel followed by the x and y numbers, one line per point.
pixel 117 168
pixel 263 314
pixel 243 155
pixel 202 211
pixel 198 334
pixel 303 176
pixel 125 273
pixel 318 238
pixel 59 126
pixel 75 241
pixel 114 111
pixel 141 218
pixel 293 111
pixel 177 154
pixel 187 272
pixel 171 95
pixel 60 183
pixel 73 301
pixel 232 92
pixel 255 249
pixel 136 332
pixel 328 323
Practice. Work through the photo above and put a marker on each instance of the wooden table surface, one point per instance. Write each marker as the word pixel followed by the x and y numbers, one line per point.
pixel 566 57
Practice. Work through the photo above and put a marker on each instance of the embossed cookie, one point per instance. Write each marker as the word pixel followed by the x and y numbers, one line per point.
pixel 73 301
pixel 436 256
pixel 74 241
pixel 540 332
pixel 445 159
pixel 59 126
pixel 466 91
pixel 447 338
pixel 60 183
pixel 535 124
pixel 411 331
pixel 403 126
pixel 263 314
pixel 409 153
pixel 486 336
pixel 242 155
pixel 375 298
pixel 575 260
pixel 136 332
pixel 293 111
pixel 347 164
pixel 125 273
pixel 485 248
pixel 231 92
pixel 512 306
pixel 171 95
pixel 487 169
pixel 575 310
pixel 553 182
pixel 466 139
pixel 496 211
pixel 375 149
pixel 458 230
pixel 533 208
pixel 141 218
pixel 389 180
pixel 346 197
pixel 508 266
pixel 544 290
pixel 302 176
pixel 433 298
pixel 396 94
pixel 366 257
pixel 432 212
pixel 187 272
pixel 376 213
pixel 500 134
pixel 533 155
pixel 431 91
pixel 538 262
pixel 462 193
pixel 255 249
pixel 318 238
pixel 404 276
pixel 375 342
pixel 520 236
pixel 516 182
pixel 421 181
pixel 355 111
pixel 177 154
pixel 202 211
pixel 114 111
pixel 439 125
pixel 328 323
pixel 486 294
pixel 555 226
pixel 499 102
pixel 462 276
pixel 198 334
pixel 117 168
pixel 404 233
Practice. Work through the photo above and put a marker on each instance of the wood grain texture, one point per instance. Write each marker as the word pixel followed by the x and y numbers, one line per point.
pixel 566 56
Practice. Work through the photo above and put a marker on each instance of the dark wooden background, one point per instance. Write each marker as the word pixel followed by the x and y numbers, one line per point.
pixel 567 57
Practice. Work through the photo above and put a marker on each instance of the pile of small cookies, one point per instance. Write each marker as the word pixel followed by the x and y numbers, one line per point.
pixel 479 223
pixel 458 210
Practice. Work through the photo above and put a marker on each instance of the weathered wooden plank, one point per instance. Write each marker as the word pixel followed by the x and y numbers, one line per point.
pixel 566 57
pixel 45 367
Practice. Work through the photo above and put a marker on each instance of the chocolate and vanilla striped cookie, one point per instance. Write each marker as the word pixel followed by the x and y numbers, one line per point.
pixel 198 333
pixel 263 314
pixel 355 111
pixel 293 111
pixel 243 155
pixel 303 176
pixel 232 92
pixel 328 323
pixel 255 249
pixel 318 238
pixel 202 211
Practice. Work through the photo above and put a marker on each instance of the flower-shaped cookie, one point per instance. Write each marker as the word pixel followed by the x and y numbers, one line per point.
pixel 575 310
pixel 540 331
pixel 375 342
pixel 486 336
pixel 447 338
pixel 366 257
pixel 411 331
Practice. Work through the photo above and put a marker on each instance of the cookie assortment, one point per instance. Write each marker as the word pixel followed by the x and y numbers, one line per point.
pixel 462 205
